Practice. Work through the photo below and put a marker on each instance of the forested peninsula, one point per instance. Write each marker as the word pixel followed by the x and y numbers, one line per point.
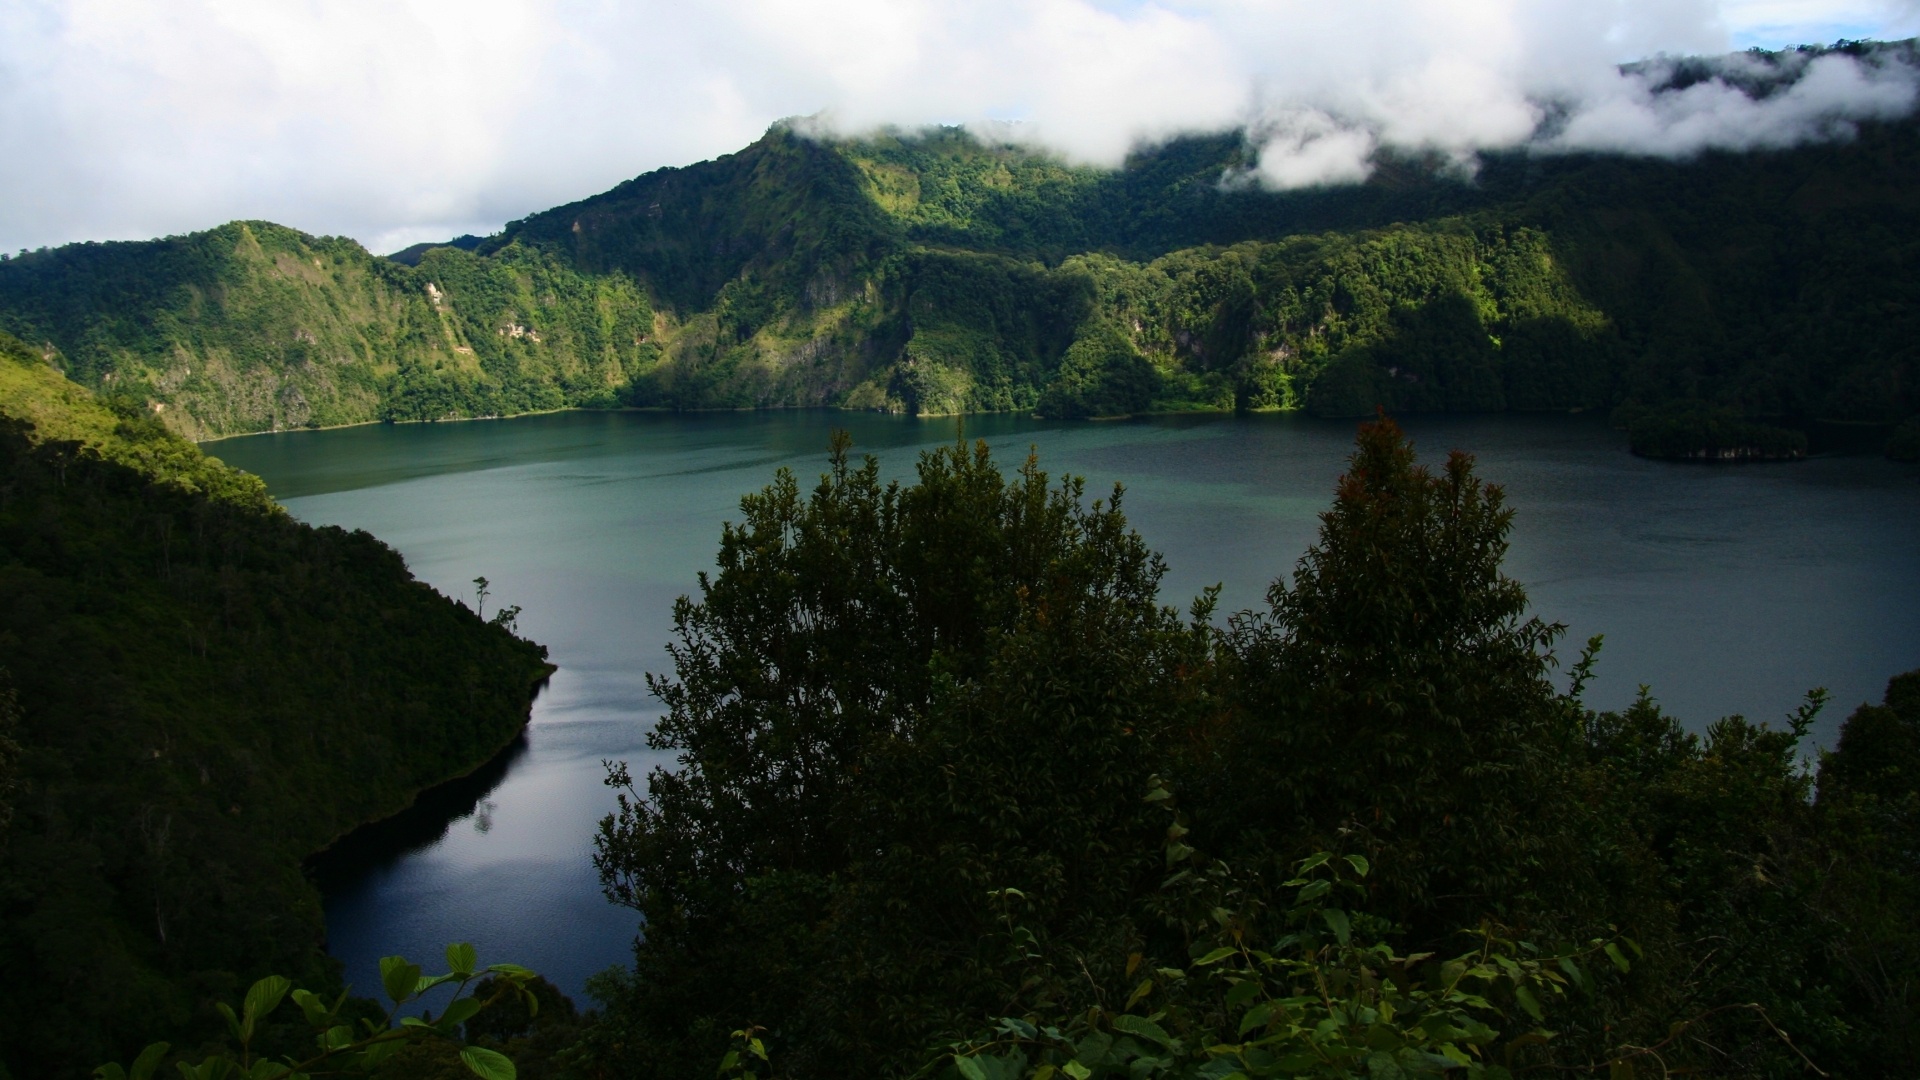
pixel 196 693
pixel 932 272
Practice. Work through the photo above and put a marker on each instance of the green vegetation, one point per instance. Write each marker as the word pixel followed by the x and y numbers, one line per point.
pixel 1711 435
pixel 251 327
pixel 930 272
pixel 207 693
pixel 954 796
pixel 339 1047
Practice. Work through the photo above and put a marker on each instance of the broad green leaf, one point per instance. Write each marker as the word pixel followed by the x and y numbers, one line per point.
pixel 1257 1017
pixel 1139 992
pixel 242 1031
pixel 1314 890
pixel 1076 1070
pixel 1619 959
pixel 1359 864
pixel 1216 956
pixel 148 1061
pixel 461 958
pixel 458 1012
pixel 1241 993
pixel 1524 995
pixel 1015 1026
pixel 1619 1070
pixel 728 1063
pixel 969 1068
pixel 110 1071
pixel 1337 922
pixel 398 977
pixel 266 995
pixel 311 1007
pixel 1314 862
pixel 1143 1027
pixel 511 971
pixel 487 1064
pixel 427 982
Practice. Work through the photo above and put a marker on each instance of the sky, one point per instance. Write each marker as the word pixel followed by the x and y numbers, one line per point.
pixel 396 121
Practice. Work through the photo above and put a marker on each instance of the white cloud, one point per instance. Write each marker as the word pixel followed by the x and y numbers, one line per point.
pixel 395 120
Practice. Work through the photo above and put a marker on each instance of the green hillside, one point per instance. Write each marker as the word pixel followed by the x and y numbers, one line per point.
pixel 934 273
pixel 204 693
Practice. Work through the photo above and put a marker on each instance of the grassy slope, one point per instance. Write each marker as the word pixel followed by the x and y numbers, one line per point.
pixel 210 692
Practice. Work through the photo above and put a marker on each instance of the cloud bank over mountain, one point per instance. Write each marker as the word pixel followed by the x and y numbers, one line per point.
pixel 399 120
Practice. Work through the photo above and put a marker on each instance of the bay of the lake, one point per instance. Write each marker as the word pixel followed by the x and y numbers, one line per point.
pixel 1727 589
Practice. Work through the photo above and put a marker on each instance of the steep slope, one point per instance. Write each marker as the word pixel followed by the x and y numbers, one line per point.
pixel 933 272
pixel 252 326
pixel 208 693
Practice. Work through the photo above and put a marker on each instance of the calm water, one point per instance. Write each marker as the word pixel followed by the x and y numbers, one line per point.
pixel 1727 589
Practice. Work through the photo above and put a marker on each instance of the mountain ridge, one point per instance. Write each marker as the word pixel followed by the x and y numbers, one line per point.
pixel 932 272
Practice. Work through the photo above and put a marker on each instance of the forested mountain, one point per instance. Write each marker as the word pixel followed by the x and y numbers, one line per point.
pixel 203 692
pixel 933 272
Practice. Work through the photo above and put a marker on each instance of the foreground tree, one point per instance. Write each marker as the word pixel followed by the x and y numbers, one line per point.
pixel 928 739
pixel 884 692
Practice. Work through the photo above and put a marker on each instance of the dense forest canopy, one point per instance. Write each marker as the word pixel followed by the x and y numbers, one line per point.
pixel 932 272
pixel 196 693
pixel 955 795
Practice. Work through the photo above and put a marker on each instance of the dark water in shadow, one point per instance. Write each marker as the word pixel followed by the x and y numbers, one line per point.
pixel 378 847
pixel 1727 588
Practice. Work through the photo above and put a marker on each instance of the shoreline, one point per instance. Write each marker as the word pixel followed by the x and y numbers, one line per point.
pixel 547 671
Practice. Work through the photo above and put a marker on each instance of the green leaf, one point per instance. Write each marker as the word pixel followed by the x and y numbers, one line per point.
pixel 1619 959
pixel 1257 1017
pixel 1143 1027
pixel 487 1064
pixel 427 982
pixel 1524 996
pixel 459 1011
pixel 241 1032
pixel 110 1071
pixel 1314 862
pixel 1337 922
pixel 148 1061
pixel 1242 993
pixel 311 1007
pixel 1314 890
pixel 398 977
pixel 1216 956
pixel 511 971
pixel 1360 864
pixel 969 1068
pixel 266 995
pixel 378 1052
pixel 461 958
pixel 1076 1070
pixel 1139 992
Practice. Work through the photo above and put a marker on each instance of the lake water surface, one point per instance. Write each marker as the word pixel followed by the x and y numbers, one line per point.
pixel 1726 589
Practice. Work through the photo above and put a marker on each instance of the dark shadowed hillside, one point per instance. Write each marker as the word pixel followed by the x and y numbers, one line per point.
pixel 208 692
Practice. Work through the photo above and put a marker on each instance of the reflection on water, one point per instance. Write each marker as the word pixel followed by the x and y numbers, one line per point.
pixel 1728 589
pixel 377 847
